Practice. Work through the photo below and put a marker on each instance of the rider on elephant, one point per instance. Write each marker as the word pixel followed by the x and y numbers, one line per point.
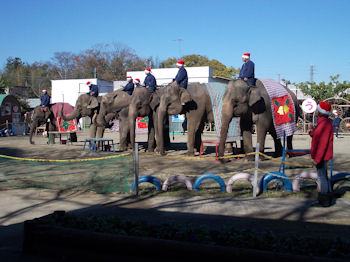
pixel 150 81
pixel 45 102
pixel 247 70
pixel 129 88
pixel 137 83
pixel 93 90
pixel 181 79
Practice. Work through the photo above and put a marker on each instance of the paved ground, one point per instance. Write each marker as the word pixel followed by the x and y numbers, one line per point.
pixel 290 214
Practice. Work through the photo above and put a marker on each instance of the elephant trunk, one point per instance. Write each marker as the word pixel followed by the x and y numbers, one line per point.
pixel 33 126
pixel 226 118
pixel 160 139
pixel 132 124
pixel 100 119
pixel 75 114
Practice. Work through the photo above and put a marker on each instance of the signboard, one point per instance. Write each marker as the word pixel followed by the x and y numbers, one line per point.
pixel 67 126
pixel 309 106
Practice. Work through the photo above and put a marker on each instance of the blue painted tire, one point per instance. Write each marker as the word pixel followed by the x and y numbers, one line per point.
pixel 149 179
pixel 206 176
pixel 269 177
pixel 338 177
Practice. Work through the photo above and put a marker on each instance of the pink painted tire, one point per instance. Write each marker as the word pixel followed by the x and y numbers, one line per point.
pixel 177 178
pixel 302 176
pixel 240 176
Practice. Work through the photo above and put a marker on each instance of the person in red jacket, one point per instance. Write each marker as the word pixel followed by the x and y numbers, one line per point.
pixel 322 150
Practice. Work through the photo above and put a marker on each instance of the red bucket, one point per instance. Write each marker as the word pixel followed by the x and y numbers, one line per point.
pixel 63 141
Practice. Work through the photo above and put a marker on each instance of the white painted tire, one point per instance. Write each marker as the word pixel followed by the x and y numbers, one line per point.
pixel 177 178
pixel 302 176
pixel 240 176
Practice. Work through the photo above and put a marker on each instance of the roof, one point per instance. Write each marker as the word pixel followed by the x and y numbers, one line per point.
pixel 2 97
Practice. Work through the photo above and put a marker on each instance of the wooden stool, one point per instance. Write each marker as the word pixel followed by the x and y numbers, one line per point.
pixel 215 142
pixel 43 128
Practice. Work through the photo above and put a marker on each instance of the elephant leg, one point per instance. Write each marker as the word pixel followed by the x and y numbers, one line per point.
pixel 100 130
pixel 246 128
pixel 192 127
pixel 151 134
pixel 92 133
pixel 198 137
pixel 290 142
pixel 261 136
pixel 278 144
pixel 51 127
pixel 122 137
pixel 227 114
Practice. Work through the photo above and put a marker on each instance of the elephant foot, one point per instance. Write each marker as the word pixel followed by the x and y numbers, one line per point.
pixel 249 158
pixel 224 160
pixel 190 153
pixel 277 154
pixel 163 153
pixel 150 150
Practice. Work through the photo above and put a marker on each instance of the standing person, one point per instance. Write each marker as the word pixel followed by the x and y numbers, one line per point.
pixel 247 70
pixel 181 77
pixel 322 150
pixel 45 99
pixel 137 83
pixel 129 88
pixel 336 123
pixel 150 81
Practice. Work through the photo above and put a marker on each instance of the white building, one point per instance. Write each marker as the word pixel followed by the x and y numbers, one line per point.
pixel 164 76
pixel 68 90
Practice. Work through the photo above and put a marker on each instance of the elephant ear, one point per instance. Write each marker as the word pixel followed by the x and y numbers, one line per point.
pixel 185 97
pixel 93 102
pixel 155 100
pixel 254 96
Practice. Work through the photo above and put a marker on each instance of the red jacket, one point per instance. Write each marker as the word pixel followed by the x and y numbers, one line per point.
pixel 322 140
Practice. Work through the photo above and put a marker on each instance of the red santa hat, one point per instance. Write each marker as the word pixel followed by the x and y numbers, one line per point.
pixel 128 78
pixel 88 83
pixel 246 55
pixel 147 70
pixel 180 63
pixel 324 108
pixel 137 80
pixel 44 90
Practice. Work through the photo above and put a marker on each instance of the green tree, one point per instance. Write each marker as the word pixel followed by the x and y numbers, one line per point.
pixel 2 84
pixel 323 91
pixel 219 69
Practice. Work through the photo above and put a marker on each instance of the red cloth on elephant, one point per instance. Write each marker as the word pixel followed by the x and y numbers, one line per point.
pixel 322 140
pixel 67 109
pixel 60 123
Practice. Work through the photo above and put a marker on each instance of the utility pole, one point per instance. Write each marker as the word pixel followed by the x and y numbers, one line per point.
pixel 179 40
pixel 311 73
pixel 95 72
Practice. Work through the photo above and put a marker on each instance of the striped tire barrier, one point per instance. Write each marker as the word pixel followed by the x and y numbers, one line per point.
pixel 275 175
pixel 206 176
pixel 338 177
pixel 174 179
pixel 302 176
pixel 150 179
pixel 240 176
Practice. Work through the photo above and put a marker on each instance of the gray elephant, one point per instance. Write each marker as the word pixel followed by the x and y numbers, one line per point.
pixel 253 106
pixel 86 105
pixel 116 105
pixel 195 102
pixel 41 117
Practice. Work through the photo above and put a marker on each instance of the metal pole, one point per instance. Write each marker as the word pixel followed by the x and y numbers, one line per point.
pixel 255 182
pixel 136 169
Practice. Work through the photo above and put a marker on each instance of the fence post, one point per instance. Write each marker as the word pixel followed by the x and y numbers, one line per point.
pixel 255 182
pixel 136 169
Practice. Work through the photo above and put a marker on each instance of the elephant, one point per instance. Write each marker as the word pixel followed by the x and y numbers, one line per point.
pixel 195 102
pixel 86 105
pixel 116 105
pixel 41 117
pixel 253 105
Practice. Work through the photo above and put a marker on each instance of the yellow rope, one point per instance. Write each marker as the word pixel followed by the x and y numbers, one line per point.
pixel 61 160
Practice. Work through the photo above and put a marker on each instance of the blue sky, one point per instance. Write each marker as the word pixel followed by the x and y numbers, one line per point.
pixel 283 37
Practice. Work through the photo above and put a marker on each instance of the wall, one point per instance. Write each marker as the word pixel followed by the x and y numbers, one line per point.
pixel 68 90
pixel 164 76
